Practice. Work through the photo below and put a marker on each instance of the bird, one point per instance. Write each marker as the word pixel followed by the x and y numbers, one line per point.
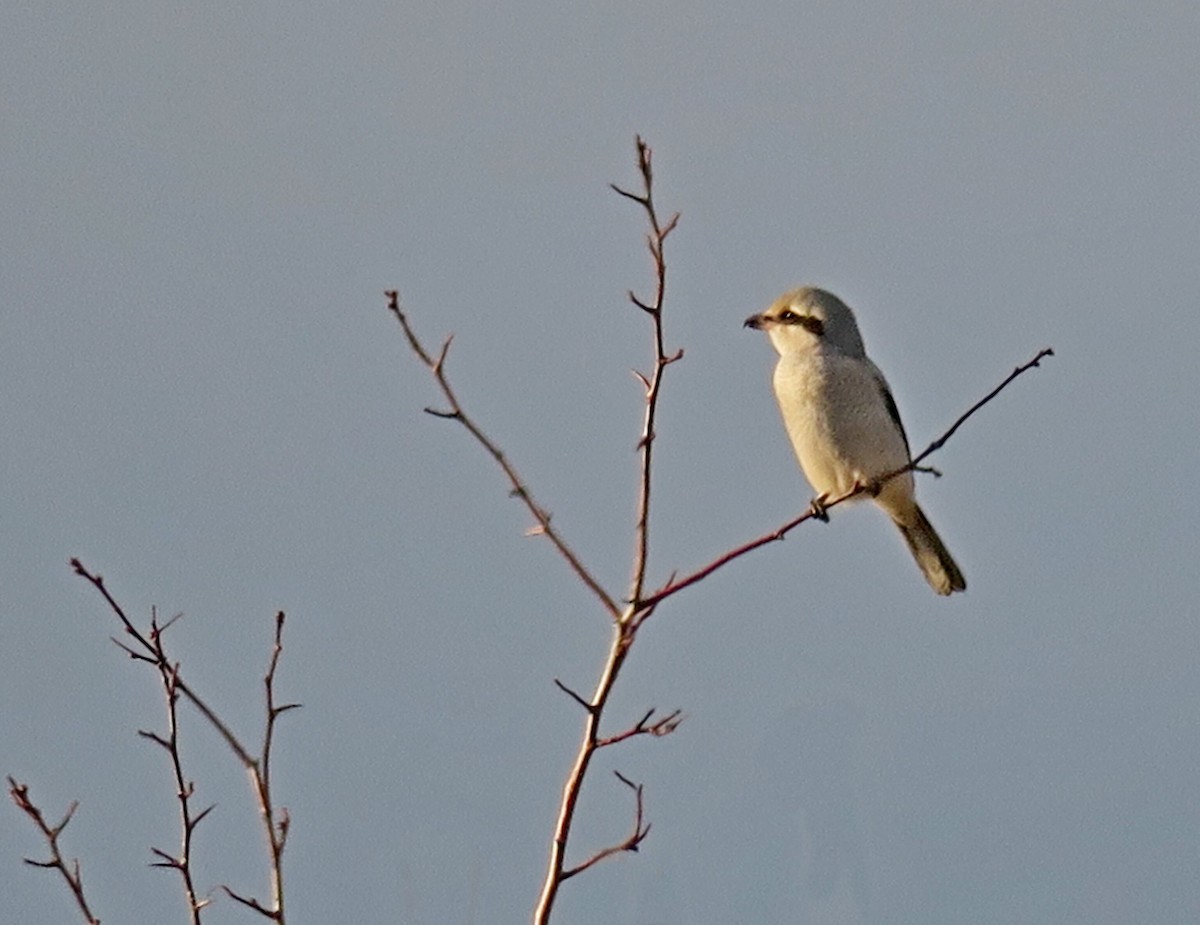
pixel 843 421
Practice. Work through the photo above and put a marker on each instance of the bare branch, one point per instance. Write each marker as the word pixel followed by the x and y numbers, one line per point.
pixel 664 726
pixel 628 620
pixel 519 488
pixel 941 441
pixel 168 673
pixel 251 903
pixel 573 695
pixel 72 875
pixel 654 308
pixel 276 821
pixel 276 828
pixel 632 843
pixel 215 721
pixel 675 585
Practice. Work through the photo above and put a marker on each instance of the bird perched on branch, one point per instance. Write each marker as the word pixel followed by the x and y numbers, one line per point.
pixel 843 421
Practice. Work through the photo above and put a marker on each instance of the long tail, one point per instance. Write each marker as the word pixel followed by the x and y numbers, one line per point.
pixel 933 558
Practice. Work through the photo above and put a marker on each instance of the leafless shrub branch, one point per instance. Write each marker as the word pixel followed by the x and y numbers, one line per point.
pixel 71 874
pixel 149 647
pixel 637 606
pixel 184 788
pixel 640 830
pixel 519 487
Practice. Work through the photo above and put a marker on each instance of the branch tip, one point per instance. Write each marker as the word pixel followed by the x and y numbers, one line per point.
pixel 574 696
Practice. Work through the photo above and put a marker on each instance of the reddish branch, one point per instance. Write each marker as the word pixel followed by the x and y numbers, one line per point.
pixel 626 618
pixel 640 830
pixel 655 239
pixel 71 874
pixel 637 607
pixel 519 489
pixel 675 585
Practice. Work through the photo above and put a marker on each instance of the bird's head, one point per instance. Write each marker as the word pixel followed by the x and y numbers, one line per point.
pixel 809 318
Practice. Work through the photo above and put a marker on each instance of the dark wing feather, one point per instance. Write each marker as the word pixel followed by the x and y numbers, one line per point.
pixel 893 411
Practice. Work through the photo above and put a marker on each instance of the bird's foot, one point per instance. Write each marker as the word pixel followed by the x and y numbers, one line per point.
pixel 817 508
pixel 870 487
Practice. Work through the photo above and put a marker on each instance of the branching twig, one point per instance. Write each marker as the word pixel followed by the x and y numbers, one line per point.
pixel 276 827
pixel 149 647
pixel 638 606
pixel 675 585
pixel 652 383
pixel 519 488
pixel 635 839
pixel 20 795
pixel 184 788
pixel 627 621
pixel 147 655
pixel 660 727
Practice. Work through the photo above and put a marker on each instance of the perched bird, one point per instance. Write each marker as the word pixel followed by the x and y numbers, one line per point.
pixel 843 421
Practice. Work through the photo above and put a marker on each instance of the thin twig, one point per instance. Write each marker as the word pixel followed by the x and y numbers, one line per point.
pixel 573 695
pixel 628 621
pixel 72 874
pixel 519 488
pixel 276 828
pixel 149 647
pixel 184 788
pixel 632 843
pixel 660 727
pixel 675 585
pixel 148 655
pixel 653 383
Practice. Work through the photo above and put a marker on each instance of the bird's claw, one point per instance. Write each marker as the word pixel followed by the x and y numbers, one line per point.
pixel 817 508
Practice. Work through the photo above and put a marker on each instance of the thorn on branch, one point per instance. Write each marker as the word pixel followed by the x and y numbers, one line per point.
pixel 644 306
pixel 159 630
pixel 636 197
pixel 251 903
pixel 574 696
pixel 204 812
pixel 441 360
pixel 130 652
pixel 936 473
pixel 154 737
pixel 167 860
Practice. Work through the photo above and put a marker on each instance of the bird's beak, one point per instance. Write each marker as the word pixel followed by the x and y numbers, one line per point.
pixel 758 322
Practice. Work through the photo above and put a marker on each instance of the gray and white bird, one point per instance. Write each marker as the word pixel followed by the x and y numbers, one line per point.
pixel 843 421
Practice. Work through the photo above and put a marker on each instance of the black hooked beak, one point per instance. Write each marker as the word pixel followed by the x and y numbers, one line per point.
pixel 758 322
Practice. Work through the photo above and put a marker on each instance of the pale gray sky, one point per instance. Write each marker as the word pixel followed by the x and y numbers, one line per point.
pixel 203 397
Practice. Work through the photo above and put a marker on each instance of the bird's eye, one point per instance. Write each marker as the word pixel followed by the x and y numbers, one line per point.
pixel 814 326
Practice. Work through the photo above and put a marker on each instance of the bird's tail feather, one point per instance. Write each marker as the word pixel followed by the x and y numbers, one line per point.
pixel 933 558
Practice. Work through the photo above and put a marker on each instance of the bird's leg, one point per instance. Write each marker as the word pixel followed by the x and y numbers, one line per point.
pixel 869 487
pixel 817 507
